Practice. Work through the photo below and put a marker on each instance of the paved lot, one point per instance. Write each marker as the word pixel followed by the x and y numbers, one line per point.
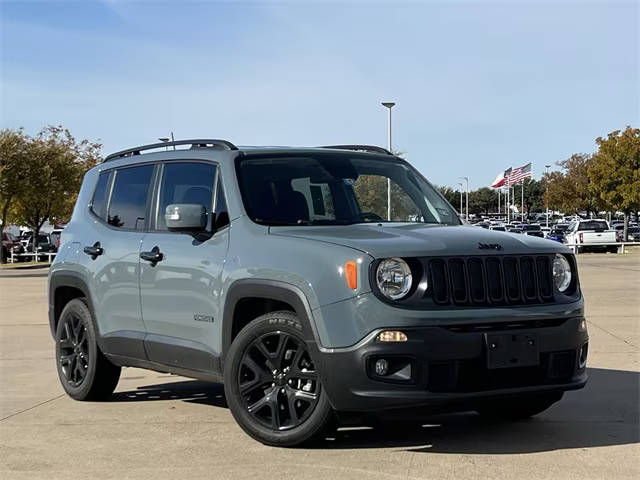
pixel 161 426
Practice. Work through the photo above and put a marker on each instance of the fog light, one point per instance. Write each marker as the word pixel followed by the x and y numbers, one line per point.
pixel 582 326
pixel 392 336
pixel 582 361
pixel 382 367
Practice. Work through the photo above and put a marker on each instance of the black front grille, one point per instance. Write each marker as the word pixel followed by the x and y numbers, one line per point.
pixel 491 280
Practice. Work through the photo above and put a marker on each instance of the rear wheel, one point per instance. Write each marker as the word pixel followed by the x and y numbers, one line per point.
pixel 272 384
pixel 518 408
pixel 84 372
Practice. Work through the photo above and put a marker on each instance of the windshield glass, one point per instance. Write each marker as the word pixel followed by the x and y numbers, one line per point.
pixel 337 189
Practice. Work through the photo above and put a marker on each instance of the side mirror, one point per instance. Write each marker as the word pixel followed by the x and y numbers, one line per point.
pixel 186 217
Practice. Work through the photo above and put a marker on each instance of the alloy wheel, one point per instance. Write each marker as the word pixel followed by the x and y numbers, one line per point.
pixel 73 350
pixel 278 381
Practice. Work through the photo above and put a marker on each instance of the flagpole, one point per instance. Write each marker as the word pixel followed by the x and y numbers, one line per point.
pixel 523 200
pixel 508 201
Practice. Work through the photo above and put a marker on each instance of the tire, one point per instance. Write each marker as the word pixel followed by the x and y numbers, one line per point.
pixel 518 408
pixel 286 408
pixel 84 372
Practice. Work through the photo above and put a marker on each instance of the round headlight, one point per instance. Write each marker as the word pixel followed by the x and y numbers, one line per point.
pixel 561 272
pixel 394 278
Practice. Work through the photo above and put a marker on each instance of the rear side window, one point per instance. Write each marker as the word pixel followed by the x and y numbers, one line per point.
pixel 129 198
pixel 186 182
pixel 99 201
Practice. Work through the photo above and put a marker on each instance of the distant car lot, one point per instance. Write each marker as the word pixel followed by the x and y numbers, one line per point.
pixel 162 426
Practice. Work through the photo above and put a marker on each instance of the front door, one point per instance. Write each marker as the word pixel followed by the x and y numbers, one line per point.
pixel 180 293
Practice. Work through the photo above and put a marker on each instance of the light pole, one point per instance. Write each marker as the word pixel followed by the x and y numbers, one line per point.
pixel 466 215
pixel 164 140
pixel 546 168
pixel 460 183
pixel 388 105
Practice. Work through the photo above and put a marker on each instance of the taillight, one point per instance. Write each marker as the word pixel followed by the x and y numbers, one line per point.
pixel 581 238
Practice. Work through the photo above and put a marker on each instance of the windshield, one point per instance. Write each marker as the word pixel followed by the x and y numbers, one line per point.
pixel 337 189
pixel 529 228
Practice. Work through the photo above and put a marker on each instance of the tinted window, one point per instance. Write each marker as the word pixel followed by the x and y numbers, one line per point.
pixel 128 205
pixel 593 225
pixel 99 196
pixel 336 189
pixel 186 182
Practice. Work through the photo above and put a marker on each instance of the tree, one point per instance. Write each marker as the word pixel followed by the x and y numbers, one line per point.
pixel 569 190
pixel 13 158
pixel 533 195
pixel 483 200
pixel 452 196
pixel 615 172
pixel 52 177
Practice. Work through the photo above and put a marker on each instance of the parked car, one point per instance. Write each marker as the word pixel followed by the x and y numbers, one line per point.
pixel 9 244
pixel 532 230
pixel 273 271
pixel 55 237
pixel 43 245
pixel 633 234
pixel 545 231
pixel 498 228
pixel 591 234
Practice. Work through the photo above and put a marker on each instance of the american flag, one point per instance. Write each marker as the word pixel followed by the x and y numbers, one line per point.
pixel 519 174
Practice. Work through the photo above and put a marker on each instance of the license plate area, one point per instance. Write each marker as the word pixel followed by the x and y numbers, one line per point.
pixel 509 351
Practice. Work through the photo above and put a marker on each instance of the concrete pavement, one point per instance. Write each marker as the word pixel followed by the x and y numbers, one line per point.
pixel 163 426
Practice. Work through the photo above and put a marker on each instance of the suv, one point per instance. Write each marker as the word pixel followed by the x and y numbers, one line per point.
pixel 284 274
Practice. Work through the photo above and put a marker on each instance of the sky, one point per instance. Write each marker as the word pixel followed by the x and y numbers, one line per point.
pixel 479 86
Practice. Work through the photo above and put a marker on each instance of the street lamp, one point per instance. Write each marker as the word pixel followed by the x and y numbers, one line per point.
pixel 460 183
pixel 466 215
pixel 546 168
pixel 388 105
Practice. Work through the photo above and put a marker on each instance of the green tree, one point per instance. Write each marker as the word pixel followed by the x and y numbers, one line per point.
pixel 13 158
pixel 533 195
pixel 569 189
pixel 615 172
pixel 482 201
pixel 452 196
pixel 52 177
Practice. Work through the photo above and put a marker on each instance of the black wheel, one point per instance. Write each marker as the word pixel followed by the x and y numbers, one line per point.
pixel 84 372
pixel 272 384
pixel 518 408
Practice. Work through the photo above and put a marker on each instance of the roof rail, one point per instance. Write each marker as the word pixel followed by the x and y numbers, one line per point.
pixel 198 143
pixel 360 148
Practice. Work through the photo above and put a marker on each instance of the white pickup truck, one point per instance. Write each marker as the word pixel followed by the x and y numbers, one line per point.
pixel 591 234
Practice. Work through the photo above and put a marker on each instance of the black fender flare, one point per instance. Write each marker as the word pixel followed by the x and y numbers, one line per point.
pixel 269 289
pixel 75 280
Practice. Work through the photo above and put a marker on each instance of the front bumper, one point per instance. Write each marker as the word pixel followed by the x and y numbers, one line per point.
pixel 448 367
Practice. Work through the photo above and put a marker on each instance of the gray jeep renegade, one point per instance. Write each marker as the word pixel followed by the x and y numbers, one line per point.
pixel 284 274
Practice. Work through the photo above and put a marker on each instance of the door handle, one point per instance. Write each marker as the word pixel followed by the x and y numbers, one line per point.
pixel 94 251
pixel 153 257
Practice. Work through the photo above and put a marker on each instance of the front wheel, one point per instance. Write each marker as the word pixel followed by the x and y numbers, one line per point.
pixel 272 384
pixel 518 408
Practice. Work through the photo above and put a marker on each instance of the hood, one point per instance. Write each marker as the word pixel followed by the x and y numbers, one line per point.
pixel 411 240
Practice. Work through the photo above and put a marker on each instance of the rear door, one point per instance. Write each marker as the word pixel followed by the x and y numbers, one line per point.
pixel 180 294
pixel 110 254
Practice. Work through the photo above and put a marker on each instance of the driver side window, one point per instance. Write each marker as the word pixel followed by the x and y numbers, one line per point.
pixel 186 182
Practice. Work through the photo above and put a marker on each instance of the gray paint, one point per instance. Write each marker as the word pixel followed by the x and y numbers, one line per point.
pixel 129 294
